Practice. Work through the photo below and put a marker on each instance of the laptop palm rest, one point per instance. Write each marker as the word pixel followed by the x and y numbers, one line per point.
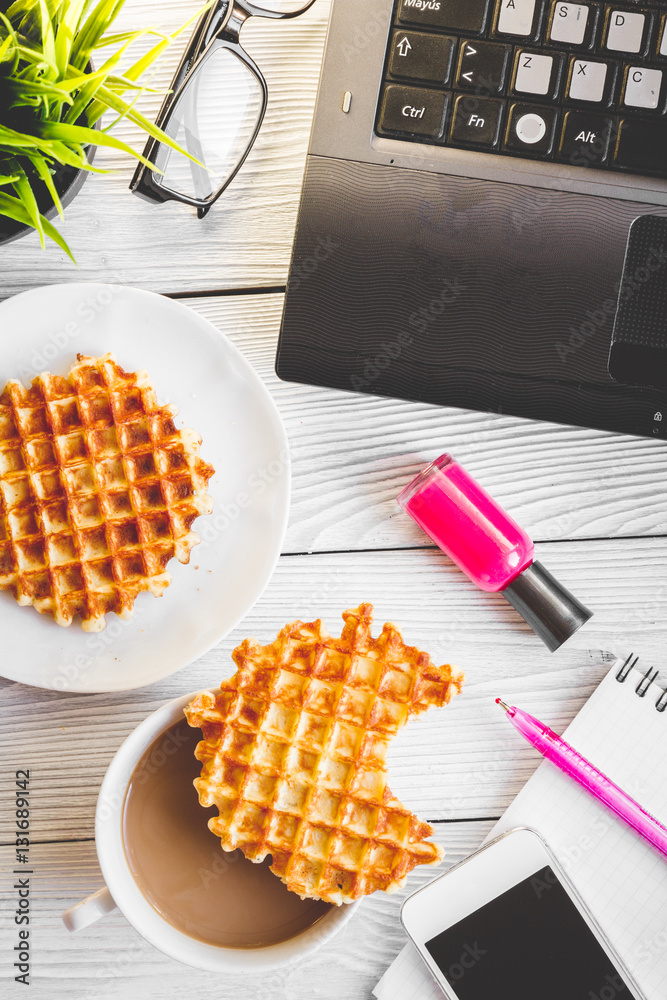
pixel 462 292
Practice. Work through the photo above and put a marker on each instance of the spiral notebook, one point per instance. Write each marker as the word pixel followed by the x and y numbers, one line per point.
pixel 623 730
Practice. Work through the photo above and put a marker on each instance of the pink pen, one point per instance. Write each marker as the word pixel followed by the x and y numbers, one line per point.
pixel 560 753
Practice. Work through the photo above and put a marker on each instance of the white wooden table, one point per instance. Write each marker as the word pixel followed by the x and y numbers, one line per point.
pixel 594 502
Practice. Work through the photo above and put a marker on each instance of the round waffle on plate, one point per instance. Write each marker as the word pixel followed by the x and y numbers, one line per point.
pixel 197 369
pixel 98 491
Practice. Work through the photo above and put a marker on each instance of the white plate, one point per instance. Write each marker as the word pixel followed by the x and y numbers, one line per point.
pixel 219 395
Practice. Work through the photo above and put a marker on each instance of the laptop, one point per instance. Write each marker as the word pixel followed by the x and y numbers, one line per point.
pixel 483 221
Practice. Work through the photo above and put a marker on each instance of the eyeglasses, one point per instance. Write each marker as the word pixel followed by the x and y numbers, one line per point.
pixel 214 110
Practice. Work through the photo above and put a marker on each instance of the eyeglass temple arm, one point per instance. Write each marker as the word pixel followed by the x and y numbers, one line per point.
pixel 278 15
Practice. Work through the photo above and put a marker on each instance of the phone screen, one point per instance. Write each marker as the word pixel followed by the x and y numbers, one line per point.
pixel 529 942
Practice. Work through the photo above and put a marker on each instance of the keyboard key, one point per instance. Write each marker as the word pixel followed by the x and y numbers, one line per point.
pixel 642 88
pixel 531 129
pixel 516 17
pixel 476 121
pixel 457 15
pixel 585 139
pixel 421 56
pixel 534 73
pixel 569 23
pixel 625 31
pixel 487 74
pixel 482 66
pixel 588 80
pixel 413 110
pixel 642 146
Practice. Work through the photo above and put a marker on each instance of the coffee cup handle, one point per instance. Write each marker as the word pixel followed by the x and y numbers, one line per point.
pixel 89 910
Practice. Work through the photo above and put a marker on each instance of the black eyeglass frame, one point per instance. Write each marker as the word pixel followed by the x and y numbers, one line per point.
pixel 221 26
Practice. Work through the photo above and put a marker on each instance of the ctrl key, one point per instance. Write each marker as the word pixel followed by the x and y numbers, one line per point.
pixel 412 111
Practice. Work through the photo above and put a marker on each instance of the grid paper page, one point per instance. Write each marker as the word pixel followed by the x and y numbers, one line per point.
pixel 407 978
pixel 622 878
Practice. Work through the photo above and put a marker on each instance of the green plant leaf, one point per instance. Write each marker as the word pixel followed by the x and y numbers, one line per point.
pixel 97 22
pixel 117 103
pixel 13 208
pixel 66 34
pixel 89 89
pixel 39 88
pixel 124 36
pixel 27 195
pixel 78 134
pixel 141 65
pixel 9 137
pixel 43 172
pixel 74 157
pixel 11 41
pixel 48 37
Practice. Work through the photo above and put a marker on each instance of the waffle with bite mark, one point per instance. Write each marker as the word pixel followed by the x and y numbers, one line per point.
pixel 294 751
pixel 98 491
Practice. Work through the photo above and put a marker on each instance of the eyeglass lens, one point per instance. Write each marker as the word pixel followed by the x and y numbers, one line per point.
pixel 214 118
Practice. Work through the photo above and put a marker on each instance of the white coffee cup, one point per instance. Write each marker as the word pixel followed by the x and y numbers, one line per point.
pixel 122 892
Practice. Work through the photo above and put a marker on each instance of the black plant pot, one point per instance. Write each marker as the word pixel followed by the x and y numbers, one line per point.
pixel 68 182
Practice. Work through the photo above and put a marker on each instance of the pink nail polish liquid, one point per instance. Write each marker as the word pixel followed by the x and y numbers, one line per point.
pixel 491 548
pixel 467 523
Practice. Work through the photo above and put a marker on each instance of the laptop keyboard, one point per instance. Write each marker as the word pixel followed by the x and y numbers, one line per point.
pixel 578 83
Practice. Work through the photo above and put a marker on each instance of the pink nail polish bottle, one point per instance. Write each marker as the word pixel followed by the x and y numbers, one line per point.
pixel 491 549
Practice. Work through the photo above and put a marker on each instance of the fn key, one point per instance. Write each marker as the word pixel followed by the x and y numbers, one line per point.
pixel 412 111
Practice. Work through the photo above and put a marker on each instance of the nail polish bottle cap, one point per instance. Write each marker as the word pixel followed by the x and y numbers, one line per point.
pixel 549 608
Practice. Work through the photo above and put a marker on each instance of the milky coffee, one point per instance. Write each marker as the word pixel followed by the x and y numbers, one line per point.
pixel 178 864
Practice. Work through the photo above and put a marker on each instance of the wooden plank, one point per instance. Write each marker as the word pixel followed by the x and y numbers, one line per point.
pixel 462 762
pixel 245 241
pixel 110 959
pixel 352 454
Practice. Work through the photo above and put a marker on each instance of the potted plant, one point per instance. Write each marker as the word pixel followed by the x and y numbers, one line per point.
pixel 52 98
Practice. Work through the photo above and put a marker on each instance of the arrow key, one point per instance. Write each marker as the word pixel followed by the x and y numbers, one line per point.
pixel 482 67
pixel 414 55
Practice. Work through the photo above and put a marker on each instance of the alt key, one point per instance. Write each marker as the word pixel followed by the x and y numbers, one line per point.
pixel 413 111
pixel 586 139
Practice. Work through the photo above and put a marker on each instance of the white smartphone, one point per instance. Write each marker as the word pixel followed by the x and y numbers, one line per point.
pixel 508 924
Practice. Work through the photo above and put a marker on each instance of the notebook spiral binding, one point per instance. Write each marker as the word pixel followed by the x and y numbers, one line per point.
pixel 649 678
